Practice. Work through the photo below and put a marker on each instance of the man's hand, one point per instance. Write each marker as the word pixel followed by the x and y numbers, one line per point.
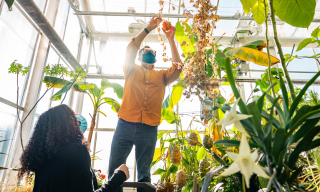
pixel 170 33
pixel 155 21
pixel 125 169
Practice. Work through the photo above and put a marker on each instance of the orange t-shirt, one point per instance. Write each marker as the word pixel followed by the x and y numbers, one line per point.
pixel 144 90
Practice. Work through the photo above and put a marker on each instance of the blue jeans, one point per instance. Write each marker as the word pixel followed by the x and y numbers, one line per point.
pixel 127 134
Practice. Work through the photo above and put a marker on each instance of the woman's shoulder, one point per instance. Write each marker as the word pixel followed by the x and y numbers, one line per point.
pixel 72 148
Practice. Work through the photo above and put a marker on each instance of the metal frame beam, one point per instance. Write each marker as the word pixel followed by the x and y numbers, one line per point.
pixel 225 40
pixel 44 25
pixel 222 17
pixel 295 81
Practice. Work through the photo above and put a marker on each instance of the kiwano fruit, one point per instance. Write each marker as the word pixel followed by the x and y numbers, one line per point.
pixel 181 178
pixel 175 154
pixel 193 139
pixel 207 142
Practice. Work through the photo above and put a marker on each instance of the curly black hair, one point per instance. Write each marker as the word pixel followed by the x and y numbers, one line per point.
pixel 55 128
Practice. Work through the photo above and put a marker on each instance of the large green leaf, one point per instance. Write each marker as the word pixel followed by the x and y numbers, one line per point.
pixel 201 153
pixel 59 94
pixel 118 89
pixel 298 13
pixel 305 42
pixel 181 36
pixel 175 96
pixel 55 82
pixel 115 105
pixel 278 144
pixel 253 55
pixel 258 10
pixel 165 103
pixel 168 115
pixel 82 86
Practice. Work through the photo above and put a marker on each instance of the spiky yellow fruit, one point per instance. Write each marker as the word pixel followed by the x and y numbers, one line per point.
pixel 193 139
pixel 203 166
pixel 207 142
pixel 175 154
pixel 181 178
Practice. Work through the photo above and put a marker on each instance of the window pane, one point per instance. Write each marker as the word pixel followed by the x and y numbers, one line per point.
pixel 17 43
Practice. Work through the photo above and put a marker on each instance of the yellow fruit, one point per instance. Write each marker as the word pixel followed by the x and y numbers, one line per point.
pixel 181 178
pixel 175 154
pixel 193 139
pixel 203 166
pixel 207 142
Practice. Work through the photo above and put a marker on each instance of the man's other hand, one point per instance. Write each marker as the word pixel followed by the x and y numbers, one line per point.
pixel 170 33
pixel 155 21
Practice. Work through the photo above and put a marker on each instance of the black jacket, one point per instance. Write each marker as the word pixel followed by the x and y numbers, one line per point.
pixel 71 171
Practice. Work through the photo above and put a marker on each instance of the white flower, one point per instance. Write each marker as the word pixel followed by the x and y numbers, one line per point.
pixel 231 117
pixel 244 162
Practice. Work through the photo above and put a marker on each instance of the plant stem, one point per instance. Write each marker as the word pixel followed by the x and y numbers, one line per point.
pixel 243 184
pixel 268 50
pixel 291 88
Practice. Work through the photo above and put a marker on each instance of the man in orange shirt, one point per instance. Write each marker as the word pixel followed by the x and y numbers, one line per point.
pixel 140 112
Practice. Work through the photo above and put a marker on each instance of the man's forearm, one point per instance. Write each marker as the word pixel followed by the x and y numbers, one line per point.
pixel 174 51
pixel 138 40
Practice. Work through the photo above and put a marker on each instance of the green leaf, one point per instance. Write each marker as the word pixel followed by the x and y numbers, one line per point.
pixel 246 5
pixel 160 134
pixel 188 187
pixel 82 86
pixel 316 33
pixel 298 13
pixel 115 105
pixel 258 11
pixel 302 146
pixel 256 117
pixel 305 42
pixel 9 3
pixel 169 116
pixel 201 153
pixel 276 104
pixel 180 36
pixel 59 94
pixel 220 58
pixel 165 103
pixel 278 144
pixel 266 116
pixel 227 49
pixel 118 89
pixel 284 96
pixel 234 143
pixel 172 169
pixel 313 144
pixel 302 92
pixel 255 44
pixel 105 83
pixel 159 171
pixel 175 96
pixel 230 77
pixel 304 129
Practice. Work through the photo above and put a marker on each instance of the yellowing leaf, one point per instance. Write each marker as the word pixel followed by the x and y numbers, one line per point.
pixel 255 56
pixel 102 113
pixel 157 154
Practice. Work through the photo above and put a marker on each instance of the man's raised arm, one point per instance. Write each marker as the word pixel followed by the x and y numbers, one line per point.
pixel 135 44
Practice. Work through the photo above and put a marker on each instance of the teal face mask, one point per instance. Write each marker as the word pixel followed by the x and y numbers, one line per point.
pixel 83 123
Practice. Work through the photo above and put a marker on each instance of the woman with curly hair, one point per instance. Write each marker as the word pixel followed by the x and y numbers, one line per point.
pixel 58 156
